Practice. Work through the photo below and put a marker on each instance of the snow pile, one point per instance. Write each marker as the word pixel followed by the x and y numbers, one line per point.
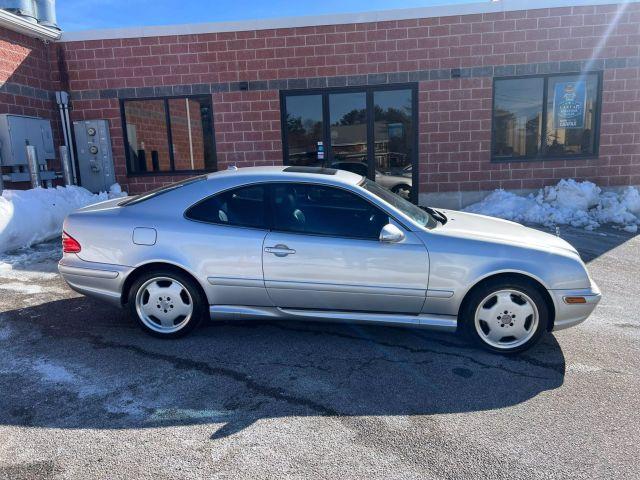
pixel 115 191
pixel 579 204
pixel 35 262
pixel 32 216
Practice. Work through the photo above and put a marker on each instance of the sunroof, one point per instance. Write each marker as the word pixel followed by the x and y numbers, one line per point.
pixel 316 170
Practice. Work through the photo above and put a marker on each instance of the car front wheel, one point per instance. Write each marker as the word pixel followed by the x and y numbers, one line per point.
pixel 505 316
pixel 166 304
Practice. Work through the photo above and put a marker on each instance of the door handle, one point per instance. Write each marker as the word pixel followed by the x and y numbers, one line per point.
pixel 280 250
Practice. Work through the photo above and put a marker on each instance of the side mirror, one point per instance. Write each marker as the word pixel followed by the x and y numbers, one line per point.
pixel 391 234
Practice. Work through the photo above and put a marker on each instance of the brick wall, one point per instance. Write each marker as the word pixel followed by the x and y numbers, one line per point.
pixel 455 113
pixel 26 82
pixel 247 125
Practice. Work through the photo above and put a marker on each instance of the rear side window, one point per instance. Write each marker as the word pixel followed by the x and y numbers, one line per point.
pixel 159 191
pixel 241 207
pixel 320 210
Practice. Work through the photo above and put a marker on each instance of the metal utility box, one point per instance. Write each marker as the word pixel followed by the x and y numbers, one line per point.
pixel 16 131
pixel 95 159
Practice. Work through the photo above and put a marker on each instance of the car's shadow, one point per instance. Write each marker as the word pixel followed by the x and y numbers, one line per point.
pixel 77 363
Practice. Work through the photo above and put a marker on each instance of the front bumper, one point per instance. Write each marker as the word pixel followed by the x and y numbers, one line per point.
pixel 98 280
pixel 569 315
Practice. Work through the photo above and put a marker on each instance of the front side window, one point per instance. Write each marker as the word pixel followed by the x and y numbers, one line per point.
pixel 241 207
pixel 322 210
pixel 169 135
pixel 396 201
pixel 545 117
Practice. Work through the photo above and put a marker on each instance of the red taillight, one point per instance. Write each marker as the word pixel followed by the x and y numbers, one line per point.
pixel 70 244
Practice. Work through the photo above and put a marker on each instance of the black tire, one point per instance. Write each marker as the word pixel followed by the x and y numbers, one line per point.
pixel 482 293
pixel 195 297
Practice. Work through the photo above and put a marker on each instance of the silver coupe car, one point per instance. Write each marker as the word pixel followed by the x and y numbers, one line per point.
pixel 324 245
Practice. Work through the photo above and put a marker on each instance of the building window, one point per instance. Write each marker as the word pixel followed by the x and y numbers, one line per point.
pixel 168 135
pixel 553 116
pixel 366 130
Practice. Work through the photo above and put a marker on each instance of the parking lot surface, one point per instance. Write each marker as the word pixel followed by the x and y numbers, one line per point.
pixel 85 394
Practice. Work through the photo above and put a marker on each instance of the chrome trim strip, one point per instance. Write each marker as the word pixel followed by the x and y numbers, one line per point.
pixel 344 288
pixel 236 282
pixel 438 322
pixel 241 312
pixel 439 293
pixel 86 272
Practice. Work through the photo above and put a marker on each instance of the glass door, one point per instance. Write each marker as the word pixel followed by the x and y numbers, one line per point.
pixel 370 131
pixel 393 140
pixel 303 126
pixel 349 133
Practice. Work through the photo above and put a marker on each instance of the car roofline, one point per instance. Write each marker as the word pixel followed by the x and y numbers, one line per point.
pixel 280 173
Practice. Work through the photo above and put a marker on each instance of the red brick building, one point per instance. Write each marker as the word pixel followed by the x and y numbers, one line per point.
pixel 455 100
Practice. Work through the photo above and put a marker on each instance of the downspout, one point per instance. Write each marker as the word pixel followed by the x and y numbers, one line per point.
pixel 62 99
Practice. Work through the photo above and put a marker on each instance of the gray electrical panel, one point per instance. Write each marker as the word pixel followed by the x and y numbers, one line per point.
pixel 16 131
pixel 95 159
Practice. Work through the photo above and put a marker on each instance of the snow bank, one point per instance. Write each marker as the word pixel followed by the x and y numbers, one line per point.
pixel 32 216
pixel 579 204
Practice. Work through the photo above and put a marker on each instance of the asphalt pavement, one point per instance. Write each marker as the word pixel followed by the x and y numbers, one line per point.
pixel 85 394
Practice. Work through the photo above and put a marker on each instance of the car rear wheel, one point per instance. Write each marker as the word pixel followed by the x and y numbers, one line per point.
pixel 166 304
pixel 505 316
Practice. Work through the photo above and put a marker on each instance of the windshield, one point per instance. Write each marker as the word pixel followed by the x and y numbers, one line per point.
pixel 159 191
pixel 409 209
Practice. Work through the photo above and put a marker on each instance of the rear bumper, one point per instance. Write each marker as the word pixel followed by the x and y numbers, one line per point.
pixel 569 315
pixel 98 280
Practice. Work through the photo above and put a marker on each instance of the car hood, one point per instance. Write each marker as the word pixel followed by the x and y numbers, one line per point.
pixel 493 229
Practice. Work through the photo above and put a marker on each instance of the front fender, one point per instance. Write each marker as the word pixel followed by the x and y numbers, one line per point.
pixel 457 265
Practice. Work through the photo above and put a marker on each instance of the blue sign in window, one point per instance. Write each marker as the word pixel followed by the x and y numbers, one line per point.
pixel 569 104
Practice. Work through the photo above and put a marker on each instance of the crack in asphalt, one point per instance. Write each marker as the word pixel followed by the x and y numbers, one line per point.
pixel 205 368
pixel 558 367
pixel 277 393
pixel 415 350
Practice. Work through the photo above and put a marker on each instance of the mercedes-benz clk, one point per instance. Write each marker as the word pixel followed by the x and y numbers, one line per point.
pixel 317 244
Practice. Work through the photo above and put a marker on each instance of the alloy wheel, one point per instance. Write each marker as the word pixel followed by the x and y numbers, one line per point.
pixel 506 319
pixel 164 305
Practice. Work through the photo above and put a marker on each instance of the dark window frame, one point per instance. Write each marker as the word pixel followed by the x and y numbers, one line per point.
pixel 326 127
pixel 173 171
pixel 541 156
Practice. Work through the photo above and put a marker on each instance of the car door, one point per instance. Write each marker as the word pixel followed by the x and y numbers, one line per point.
pixel 323 253
pixel 226 236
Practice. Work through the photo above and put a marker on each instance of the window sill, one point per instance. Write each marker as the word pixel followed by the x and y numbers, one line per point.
pixel 544 159
pixel 170 173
